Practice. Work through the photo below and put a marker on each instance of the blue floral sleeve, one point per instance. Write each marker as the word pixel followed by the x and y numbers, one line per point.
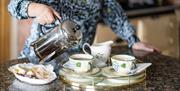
pixel 19 8
pixel 115 17
pixel 85 12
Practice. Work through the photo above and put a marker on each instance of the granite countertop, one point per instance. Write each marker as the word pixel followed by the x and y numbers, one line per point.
pixel 163 75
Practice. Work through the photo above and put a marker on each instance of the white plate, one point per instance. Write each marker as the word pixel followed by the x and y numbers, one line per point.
pixel 80 77
pixel 49 68
pixel 127 79
pixel 92 72
pixel 110 72
pixel 119 82
pixel 72 77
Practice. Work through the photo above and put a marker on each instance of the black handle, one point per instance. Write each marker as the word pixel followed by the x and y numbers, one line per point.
pixel 48 27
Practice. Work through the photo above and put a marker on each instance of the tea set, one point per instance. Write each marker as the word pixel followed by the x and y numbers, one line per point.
pixel 122 64
pixel 66 34
pixel 84 67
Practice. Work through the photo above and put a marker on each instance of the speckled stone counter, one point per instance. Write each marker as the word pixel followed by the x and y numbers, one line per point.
pixel 163 75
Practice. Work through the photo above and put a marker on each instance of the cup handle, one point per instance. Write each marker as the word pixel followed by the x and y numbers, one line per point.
pixel 47 27
pixel 134 65
pixel 84 50
pixel 66 64
pixel 90 64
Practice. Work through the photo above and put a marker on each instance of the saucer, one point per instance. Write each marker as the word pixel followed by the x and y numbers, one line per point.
pixel 110 72
pixel 87 77
pixel 118 82
pixel 92 72
pixel 129 79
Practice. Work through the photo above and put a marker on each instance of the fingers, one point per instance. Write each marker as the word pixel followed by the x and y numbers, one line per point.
pixel 157 50
pixel 50 18
pixel 152 48
pixel 145 47
pixel 47 17
pixel 148 49
pixel 44 19
pixel 56 14
pixel 40 20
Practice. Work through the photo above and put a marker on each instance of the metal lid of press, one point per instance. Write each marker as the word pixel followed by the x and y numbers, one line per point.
pixel 71 29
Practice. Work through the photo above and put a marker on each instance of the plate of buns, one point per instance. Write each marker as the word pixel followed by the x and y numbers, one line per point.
pixel 33 73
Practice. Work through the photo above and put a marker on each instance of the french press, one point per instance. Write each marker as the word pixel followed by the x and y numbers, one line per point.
pixel 61 36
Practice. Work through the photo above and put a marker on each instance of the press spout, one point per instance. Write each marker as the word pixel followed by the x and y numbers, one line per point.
pixel 32 44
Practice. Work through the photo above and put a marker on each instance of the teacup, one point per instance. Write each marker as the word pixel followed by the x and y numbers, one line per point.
pixel 80 62
pixel 100 52
pixel 123 63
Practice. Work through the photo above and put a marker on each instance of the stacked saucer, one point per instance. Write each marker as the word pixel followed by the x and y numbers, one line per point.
pixel 81 78
pixel 107 76
pixel 116 79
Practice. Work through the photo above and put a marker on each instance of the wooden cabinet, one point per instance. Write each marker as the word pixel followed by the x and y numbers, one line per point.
pixel 161 31
pixel 104 33
pixel 4 31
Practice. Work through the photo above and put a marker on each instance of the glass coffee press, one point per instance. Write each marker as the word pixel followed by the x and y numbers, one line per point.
pixel 61 36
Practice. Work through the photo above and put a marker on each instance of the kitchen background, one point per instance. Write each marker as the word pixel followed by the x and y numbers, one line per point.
pixel 157 22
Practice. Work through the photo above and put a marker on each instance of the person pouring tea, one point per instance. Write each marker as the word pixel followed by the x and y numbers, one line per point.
pixel 86 12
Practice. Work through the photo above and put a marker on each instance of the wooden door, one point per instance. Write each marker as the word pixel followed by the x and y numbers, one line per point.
pixel 4 31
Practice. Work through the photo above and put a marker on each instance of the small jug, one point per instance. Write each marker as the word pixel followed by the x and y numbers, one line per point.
pixel 100 52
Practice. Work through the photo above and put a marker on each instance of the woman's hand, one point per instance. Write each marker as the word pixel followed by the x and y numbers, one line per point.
pixel 145 47
pixel 43 14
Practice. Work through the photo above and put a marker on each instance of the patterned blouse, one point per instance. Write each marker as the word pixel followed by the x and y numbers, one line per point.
pixel 86 12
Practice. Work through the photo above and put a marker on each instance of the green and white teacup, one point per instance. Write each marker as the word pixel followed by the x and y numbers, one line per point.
pixel 123 63
pixel 80 62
